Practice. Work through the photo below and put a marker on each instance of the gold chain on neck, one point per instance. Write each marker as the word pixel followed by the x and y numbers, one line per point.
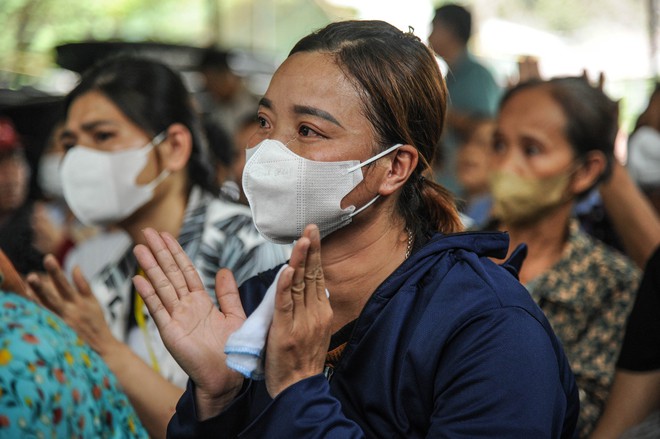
pixel 410 243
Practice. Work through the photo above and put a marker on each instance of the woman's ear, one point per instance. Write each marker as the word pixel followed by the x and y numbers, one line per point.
pixel 403 164
pixel 177 148
pixel 592 167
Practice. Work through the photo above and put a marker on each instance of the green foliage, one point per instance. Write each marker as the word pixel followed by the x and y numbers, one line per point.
pixel 32 28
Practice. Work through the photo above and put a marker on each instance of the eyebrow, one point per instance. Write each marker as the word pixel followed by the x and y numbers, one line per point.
pixel 312 111
pixel 265 102
pixel 304 109
pixel 89 126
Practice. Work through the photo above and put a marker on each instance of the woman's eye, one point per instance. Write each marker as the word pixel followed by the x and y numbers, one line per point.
pixel 532 150
pixel 263 123
pixel 102 136
pixel 498 146
pixel 306 131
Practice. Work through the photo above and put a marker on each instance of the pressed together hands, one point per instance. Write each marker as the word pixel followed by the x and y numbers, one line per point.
pixel 194 330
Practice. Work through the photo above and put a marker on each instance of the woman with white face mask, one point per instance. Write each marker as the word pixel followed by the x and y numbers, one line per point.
pixel 554 141
pixel 385 322
pixel 135 159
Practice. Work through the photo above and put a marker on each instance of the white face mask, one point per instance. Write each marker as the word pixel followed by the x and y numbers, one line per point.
pixel 287 192
pixel 48 175
pixel 99 186
pixel 644 156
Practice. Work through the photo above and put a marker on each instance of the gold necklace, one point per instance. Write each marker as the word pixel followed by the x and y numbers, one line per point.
pixel 410 243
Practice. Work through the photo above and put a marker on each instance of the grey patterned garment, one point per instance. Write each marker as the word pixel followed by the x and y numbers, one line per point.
pixel 216 233
pixel 647 429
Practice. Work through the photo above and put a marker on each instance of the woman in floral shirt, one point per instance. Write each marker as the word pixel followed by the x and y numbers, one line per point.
pixel 52 384
pixel 554 142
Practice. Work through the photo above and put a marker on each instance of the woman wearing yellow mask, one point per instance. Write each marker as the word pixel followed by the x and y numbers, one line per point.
pixel 554 142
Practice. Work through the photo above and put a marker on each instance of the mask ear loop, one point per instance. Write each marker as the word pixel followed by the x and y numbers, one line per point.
pixel 374 158
pixel 372 201
pixel 365 163
pixel 160 138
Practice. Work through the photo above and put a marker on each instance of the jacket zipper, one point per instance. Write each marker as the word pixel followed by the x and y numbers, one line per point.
pixel 328 371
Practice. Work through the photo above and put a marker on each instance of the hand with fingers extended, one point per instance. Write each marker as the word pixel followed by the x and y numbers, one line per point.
pixel 193 329
pixel 76 305
pixel 300 333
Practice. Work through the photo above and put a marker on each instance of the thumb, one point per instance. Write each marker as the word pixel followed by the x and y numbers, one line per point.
pixel 226 291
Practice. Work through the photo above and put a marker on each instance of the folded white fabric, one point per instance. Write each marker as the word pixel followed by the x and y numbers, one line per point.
pixel 245 348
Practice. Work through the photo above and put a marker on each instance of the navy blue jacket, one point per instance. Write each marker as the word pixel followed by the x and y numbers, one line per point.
pixel 450 345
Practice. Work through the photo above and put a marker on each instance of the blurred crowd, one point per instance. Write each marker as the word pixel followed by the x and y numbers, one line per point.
pixel 130 149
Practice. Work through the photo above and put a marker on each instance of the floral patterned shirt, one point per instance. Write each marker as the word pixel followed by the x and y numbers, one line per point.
pixel 53 385
pixel 587 296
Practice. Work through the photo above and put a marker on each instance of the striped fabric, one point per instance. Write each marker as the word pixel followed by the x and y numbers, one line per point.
pixel 216 233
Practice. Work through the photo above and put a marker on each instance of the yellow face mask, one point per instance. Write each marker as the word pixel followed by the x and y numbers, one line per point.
pixel 520 200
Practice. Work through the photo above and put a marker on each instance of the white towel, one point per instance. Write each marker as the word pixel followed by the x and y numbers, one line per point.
pixel 245 348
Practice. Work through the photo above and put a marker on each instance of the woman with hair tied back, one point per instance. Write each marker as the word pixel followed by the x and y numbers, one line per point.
pixel 554 141
pixel 385 322
pixel 135 159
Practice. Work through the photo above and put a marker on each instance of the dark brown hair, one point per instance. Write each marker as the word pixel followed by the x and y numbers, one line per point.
pixel 404 97
pixel 591 116
pixel 153 97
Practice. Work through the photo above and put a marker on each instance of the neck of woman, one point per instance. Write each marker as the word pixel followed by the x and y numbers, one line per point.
pixel 545 239
pixel 164 213
pixel 357 259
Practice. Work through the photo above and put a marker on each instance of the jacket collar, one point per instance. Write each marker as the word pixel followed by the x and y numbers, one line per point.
pixel 484 244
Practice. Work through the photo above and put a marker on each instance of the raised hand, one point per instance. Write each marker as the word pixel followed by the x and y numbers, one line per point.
pixel 193 329
pixel 76 305
pixel 300 333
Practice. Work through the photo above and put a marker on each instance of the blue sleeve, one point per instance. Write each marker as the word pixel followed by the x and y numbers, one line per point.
pixel 504 375
pixel 305 409
pixel 184 423
pixel 501 375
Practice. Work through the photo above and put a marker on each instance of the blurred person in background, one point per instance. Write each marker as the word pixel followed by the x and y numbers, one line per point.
pixel 227 97
pixel 473 91
pixel 631 220
pixel 223 154
pixel 136 158
pixel 247 127
pixel 554 141
pixel 644 150
pixel 633 405
pixel 16 209
pixel 473 170
pixel 229 154
pixel 56 229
